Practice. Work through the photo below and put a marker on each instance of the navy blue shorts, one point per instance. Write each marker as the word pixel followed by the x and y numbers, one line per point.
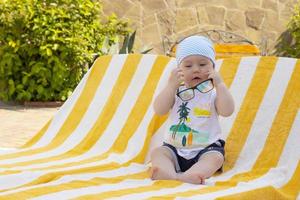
pixel 182 164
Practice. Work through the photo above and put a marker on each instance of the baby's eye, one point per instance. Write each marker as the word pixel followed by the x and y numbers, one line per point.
pixel 188 66
pixel 202 64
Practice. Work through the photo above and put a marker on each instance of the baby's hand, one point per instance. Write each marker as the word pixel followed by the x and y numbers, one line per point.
pixel 176 78
pixel 215 76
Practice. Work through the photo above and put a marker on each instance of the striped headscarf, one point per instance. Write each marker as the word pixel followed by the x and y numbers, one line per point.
pixel 195 45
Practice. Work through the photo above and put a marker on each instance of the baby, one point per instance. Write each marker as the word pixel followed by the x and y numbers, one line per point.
pixel 195 96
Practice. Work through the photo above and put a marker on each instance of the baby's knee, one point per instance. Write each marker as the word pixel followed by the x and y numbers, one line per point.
pixel 160 151
pixel 215 158
pixel 155 152
pixel 218 159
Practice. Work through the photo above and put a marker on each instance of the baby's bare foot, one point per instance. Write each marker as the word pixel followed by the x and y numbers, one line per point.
pixel 192 178
pixel 157 173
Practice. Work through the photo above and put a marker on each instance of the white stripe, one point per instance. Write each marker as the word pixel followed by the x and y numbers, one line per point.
pixel 146 195
pixel 4 150
pixel 218 64
pixel 68 194
pixel 238 89
pixel 132 169
pixel 89 117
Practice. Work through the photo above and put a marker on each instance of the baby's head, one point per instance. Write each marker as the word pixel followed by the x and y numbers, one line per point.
pixel 196 56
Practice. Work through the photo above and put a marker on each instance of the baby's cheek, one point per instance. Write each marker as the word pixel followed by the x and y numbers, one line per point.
pixel 204 76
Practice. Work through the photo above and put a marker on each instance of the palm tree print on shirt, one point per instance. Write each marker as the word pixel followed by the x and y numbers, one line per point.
pixel 181 127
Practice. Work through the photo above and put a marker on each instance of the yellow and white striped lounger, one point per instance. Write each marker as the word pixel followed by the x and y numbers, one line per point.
pixel 96 145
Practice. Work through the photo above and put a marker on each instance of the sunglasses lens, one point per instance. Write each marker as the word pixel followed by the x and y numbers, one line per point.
pixel 186 94
pixel 205 86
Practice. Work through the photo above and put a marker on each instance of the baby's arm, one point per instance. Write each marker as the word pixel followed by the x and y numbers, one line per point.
pixel 165 99
pixel 224 101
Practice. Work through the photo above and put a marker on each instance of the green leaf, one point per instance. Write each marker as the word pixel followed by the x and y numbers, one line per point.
pixel 124 48
pixel 49 52
pixel 24 80
pixel 40 89
pixel 131 42
pixel 146 51
pixel 19 87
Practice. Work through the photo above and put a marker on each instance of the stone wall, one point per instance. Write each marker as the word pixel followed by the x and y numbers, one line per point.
pixel 158 21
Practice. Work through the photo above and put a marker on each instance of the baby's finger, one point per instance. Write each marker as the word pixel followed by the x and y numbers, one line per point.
pixel 180 77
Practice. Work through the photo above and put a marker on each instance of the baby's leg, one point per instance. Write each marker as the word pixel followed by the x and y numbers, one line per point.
pixel 207 165
pixel 163 167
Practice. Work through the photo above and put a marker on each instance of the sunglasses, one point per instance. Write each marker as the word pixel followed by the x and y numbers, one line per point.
pixel 189 93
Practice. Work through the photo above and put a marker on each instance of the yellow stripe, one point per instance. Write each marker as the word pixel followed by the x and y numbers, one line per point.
pixel 44 190
pixel 237 48
pixel 265 193
pixel 281 130
pixel 38 136
pixel 157 185
pixel 292 188
pixel 79 109
pixel 241 127
pixel 228 69
pixel 288 191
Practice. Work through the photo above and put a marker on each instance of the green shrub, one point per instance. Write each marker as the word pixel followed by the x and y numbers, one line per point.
pixel 289 41
pixel 46 45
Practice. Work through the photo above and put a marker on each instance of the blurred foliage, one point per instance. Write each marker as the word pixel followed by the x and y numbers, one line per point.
pixel 128 44
pixel 288 44
pixel 46 45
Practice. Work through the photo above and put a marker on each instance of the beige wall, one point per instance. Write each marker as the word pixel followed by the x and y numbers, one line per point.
pixel 157 21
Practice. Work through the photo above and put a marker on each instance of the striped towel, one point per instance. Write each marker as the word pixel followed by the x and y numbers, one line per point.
pixel 97 145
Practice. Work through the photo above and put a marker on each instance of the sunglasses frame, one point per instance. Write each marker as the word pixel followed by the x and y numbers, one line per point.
pixel 195 88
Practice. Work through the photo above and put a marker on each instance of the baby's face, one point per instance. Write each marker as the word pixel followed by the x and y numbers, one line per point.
pixel 195 69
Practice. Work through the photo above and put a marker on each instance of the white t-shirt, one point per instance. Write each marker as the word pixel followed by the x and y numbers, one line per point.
pixel 193 124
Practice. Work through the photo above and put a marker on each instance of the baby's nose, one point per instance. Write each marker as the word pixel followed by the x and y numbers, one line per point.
pixel 198 68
